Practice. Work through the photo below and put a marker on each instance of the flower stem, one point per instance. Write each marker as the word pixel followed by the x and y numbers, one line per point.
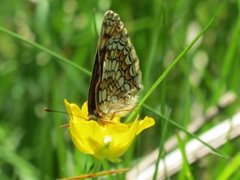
pixel 96 167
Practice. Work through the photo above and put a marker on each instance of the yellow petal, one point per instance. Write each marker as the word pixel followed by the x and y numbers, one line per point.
pixel 80 139
pixel 123 137
pixel 144 124
pixel 85 109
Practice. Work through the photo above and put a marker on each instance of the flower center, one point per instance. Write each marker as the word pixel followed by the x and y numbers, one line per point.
pixel 107 139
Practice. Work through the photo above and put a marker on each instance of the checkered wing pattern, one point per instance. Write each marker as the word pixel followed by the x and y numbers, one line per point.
pixel 116 78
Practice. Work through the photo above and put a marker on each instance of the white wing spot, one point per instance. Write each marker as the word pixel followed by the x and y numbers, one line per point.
pixel 121 81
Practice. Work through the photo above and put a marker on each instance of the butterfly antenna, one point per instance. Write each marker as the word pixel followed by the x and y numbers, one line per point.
pixel 56 111
pixel 62 112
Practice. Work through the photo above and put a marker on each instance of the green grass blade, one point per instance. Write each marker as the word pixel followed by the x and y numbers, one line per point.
pixel 22 167
pixel 158 21
pixel 229 60
pixel 215 151
pixel 161 148
pixel 37 46
pixel 231 168
pixel 186 171
pixel 165 73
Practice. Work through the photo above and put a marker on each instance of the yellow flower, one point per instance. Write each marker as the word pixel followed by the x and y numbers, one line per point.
pixel 102 140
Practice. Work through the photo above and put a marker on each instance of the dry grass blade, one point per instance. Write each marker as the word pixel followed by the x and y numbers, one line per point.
pixel 93 175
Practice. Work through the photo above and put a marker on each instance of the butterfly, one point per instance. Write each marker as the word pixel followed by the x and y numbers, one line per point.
pixel 116 76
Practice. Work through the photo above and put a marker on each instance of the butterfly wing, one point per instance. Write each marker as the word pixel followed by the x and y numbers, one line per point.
pixel 116 78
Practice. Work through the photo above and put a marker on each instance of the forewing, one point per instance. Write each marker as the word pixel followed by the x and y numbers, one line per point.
pixel 119 78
